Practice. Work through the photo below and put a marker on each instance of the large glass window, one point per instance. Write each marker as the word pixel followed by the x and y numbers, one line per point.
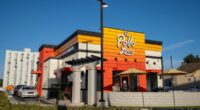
pixel 116 78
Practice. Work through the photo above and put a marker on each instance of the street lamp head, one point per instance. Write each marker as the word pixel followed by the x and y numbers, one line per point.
pixel 104 5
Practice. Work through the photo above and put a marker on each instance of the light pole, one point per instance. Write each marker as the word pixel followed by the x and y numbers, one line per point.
pixel 102 5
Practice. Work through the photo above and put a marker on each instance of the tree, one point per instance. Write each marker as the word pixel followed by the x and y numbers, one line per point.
pixel 191 59
pixel 197 58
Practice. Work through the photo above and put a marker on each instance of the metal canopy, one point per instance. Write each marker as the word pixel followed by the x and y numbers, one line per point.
pixel 92 58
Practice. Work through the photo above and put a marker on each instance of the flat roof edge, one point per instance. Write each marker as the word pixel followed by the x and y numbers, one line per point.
pixel 47 45
pixel 78 32
pixel 153 42
pixel 123 29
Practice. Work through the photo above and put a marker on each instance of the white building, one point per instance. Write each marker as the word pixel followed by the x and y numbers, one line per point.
pixel 18 67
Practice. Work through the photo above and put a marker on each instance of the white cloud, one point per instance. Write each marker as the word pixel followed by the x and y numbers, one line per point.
pixel 178 45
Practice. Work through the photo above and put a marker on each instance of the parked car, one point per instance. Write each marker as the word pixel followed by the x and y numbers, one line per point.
pixel 16 89
pixel 27 91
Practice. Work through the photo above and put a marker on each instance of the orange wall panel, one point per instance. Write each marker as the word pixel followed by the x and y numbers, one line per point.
pixel 142 82
pixel 153 47
pixel 111 44
pixel 93 39
pixel 45 53
pixel 108 79
pixel 112 51
pixel 77 39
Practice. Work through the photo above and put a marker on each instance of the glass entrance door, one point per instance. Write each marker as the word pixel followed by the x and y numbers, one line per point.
pixel 152 82
pixel 125 87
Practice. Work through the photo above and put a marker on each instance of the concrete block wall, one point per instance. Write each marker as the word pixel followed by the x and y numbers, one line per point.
pixel 125 99
pixel 154 99
pixel 187 98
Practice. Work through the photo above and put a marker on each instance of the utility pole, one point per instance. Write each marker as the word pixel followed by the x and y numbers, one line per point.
pixel 171 62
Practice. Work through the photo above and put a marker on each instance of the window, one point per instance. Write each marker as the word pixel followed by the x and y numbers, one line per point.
pixel 28 88
pixel 134 83
pixel 116 78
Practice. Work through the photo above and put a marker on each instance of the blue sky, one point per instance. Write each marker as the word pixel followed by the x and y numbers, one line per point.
pixel 30 23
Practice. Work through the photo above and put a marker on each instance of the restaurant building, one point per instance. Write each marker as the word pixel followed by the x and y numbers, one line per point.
pixel 74 64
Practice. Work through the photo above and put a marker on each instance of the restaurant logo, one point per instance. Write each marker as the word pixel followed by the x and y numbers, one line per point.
pixel 124 43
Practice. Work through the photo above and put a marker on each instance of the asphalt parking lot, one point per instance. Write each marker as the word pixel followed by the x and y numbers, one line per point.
pixel 28 100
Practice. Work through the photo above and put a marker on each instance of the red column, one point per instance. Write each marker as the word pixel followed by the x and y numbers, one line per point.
pixel 39 85
pixel 45 53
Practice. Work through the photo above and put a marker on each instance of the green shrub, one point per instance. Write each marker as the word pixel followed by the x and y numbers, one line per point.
pixel 4 103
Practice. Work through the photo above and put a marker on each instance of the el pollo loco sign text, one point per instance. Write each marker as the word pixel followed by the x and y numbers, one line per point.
pixel 124 43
